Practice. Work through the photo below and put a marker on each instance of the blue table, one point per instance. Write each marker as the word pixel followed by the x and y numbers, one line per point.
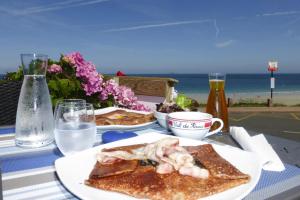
pixel 30 174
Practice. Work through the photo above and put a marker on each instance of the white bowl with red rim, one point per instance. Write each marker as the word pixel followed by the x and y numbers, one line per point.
pixel 193 125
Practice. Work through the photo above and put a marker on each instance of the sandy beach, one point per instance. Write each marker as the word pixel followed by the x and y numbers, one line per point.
pixel 286 98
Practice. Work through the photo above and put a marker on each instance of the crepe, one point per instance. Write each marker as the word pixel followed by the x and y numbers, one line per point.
pixel 217 166
pixel 141 180
pixel 122 117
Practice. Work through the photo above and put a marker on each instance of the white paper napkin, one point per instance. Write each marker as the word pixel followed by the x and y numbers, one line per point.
pixel 258 144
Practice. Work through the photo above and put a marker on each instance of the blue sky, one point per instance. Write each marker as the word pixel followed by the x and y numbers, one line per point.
pixel 155 36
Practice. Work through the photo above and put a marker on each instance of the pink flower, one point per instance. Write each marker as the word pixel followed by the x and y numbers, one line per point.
pixel 109 87
pixel 92 83
pixel 55 69
pixel 74 58
pixel 140 107
pixel 126 97
pixel 92 80
pixel 122 95
pixel 86 71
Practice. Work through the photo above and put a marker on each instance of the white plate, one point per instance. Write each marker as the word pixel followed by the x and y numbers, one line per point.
pixel 73 176
pixel 121 127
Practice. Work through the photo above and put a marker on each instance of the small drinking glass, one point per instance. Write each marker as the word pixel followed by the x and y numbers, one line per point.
pixel 70 102
pixel 75 128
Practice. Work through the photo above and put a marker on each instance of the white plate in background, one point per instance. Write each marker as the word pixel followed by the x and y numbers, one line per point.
pixel 121 127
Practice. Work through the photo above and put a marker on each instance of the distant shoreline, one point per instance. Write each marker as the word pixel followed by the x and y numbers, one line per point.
pixel 262 73
pixel 287 98
pixel 170 74
pixel 246 87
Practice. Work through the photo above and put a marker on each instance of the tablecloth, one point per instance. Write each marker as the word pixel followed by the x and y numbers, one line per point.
pixel 30 174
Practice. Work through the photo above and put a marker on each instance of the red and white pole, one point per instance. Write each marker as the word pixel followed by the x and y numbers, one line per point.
pixel 273 66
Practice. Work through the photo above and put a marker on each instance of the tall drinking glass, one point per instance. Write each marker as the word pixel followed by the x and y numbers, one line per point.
pixel 216 103
pixel 75 128
pixel 34 120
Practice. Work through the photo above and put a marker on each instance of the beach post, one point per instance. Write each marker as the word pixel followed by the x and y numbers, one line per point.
pixel 273 66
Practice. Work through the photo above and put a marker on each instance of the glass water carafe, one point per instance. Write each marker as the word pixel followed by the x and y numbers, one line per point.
pixel 34 121
pixel 216 103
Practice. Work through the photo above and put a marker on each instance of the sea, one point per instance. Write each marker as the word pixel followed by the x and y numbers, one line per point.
pixel 236 85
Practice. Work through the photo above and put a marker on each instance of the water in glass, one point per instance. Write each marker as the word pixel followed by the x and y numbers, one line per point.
pixel 73 137
pixel 75 128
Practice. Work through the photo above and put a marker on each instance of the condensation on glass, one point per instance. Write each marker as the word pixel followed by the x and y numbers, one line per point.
pixel 34 121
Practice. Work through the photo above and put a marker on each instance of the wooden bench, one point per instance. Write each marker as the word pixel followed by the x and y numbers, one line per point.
pixel 149 90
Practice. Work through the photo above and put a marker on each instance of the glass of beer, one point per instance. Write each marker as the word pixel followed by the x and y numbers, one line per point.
pixel 216 102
